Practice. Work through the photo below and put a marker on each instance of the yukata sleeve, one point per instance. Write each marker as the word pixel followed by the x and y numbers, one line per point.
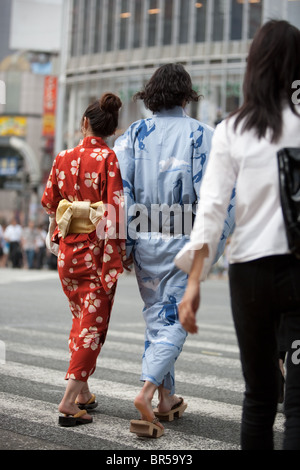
pixel 200 161
pixel 50 201
pixel 51 195
pixel 216 204
pixel 112 229
pixel 124 149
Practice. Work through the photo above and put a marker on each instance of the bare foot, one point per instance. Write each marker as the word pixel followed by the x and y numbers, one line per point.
pixel 166 402
pixel 71 409
pixel 83 397
pixel 143 404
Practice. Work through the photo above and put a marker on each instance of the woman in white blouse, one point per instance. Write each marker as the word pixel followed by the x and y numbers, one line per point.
pixel 264 275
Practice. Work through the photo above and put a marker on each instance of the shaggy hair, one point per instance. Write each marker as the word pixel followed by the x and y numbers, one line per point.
pixel 168 87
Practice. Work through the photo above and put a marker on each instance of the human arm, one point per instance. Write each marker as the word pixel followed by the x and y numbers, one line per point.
pixel 124 150
pixel 191 300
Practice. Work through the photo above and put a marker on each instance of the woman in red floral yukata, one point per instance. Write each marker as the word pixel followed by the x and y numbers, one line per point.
pixel 84 199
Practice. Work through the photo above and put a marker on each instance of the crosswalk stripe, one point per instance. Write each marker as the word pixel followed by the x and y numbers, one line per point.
pixel 111 389
pixel 213 359
pixel 129 335
pixel 132 367
pixel 104 427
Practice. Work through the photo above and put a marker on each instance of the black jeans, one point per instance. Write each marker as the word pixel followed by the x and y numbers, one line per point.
pixel 261 292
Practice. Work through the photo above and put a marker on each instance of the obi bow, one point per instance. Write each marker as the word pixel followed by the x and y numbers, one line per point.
pixel 78 216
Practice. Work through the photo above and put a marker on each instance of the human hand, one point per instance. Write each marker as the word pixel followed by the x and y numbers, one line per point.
pixel 127 263
pixel 189 305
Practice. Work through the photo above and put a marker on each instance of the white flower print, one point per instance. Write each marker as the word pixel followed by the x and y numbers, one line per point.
pixel 60 177
pixel 88 260
pixel 71 284
pixel 99 154
pixel 95 248
pixel 70 376
pixel 110 229
pixel 75 166
pixel 90 337
pixel 108 250
pixel 119 198
pixel 111 277
pixel 92 303
pixel 60 259
pixel 95 280
pixel 75 309
pixel 91 180
pixel 78 246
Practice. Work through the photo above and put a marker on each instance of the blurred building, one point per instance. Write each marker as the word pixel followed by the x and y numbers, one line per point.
pixel 30 42
pixel 115 45
pixel 56 56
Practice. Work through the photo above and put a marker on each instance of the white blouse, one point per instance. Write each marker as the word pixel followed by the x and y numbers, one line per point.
pixel 241 158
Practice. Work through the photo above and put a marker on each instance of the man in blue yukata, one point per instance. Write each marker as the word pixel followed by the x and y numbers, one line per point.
pixel 162 160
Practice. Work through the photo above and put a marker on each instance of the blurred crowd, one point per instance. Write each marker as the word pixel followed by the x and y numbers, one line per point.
pixel 24 247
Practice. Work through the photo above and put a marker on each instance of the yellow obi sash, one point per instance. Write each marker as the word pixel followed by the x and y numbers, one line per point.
pixel 78 216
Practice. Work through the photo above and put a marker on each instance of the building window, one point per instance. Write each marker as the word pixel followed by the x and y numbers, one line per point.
pixel 124 21
pixel 184 22
pixel 168 21
pixel 137 28
pixel 200 12
pixel 152 22
pixel 75 27
pixel 255 17
pixel 233 93
pixel 110 25
pixel 218 20
pixel 236 20
pixel 294 12
pixel 86 27
pixel 98 29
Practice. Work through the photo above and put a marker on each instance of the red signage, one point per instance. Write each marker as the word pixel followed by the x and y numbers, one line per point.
pixel 49 105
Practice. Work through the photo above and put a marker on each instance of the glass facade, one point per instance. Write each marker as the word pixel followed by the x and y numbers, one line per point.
pixel 117 44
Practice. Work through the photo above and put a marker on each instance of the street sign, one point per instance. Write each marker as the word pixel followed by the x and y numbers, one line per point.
pixel 8 166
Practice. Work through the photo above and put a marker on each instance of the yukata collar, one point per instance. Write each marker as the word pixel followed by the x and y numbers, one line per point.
pixel 91 141
pixel 177 111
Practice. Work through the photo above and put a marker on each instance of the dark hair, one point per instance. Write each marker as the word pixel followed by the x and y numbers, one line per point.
pixel 273 65
pixel 169 86
pixel 103 115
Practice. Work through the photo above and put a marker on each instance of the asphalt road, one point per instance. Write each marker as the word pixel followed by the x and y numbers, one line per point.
pixel 35 322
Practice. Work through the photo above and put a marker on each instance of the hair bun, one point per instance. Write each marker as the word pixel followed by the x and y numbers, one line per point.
pixel 110 103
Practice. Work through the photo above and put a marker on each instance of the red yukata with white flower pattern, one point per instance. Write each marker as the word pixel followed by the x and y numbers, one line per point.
pixel 88 266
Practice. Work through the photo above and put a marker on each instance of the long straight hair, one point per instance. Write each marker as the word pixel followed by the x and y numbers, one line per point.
pixel 273 65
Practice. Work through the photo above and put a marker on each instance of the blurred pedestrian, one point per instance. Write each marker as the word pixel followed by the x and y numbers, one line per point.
pixel 264 275
pixel 2 244
pixel 83 192
pixel 41 247
pixel 29 243
pixel 162 160
pixel 13 236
